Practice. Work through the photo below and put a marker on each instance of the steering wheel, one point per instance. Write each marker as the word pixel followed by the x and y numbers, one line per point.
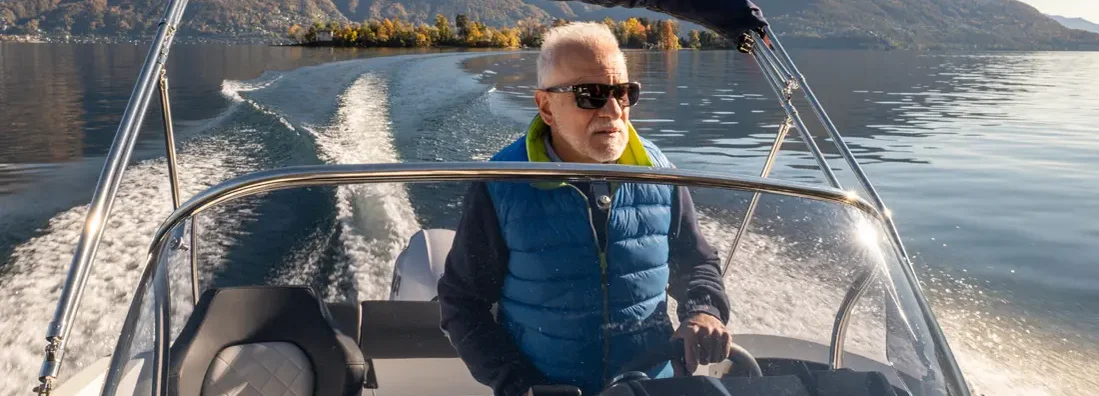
pixel 635 370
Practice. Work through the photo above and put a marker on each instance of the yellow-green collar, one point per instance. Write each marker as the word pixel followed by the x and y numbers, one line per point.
pixel 634 154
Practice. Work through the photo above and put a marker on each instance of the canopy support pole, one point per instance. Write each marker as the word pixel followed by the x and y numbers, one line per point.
pixel 784 88
pixel 60 327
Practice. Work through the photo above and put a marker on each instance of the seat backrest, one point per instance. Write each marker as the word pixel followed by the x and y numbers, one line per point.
pixel 263 340
pixel 403 330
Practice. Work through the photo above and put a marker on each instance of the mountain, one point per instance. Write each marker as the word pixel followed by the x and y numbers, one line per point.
pixel 1077 23
pixel 922 24
pixel 876 24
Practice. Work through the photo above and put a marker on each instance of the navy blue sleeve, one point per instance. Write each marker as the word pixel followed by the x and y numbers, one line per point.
pixel 470 285
pixel 696 280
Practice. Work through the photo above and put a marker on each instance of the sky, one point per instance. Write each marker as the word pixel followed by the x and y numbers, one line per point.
pixel 1087 9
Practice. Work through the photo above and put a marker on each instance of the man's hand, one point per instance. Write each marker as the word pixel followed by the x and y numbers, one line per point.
pixel 705 340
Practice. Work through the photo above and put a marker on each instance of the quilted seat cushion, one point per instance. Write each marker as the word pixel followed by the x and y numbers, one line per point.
pixel 260 369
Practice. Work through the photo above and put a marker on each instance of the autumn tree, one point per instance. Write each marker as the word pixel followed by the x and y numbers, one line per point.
pixel 443 34
pixel 669 35
pixel 425 36
pixel 618 29
pixel 395 32
pixel 635 32
pixel 296 33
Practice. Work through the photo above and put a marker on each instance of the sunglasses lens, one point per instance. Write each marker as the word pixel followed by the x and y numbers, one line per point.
pixel 633 92
pixel 595 96
pixel 590 103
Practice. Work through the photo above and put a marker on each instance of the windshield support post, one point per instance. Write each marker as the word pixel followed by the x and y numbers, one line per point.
pixel 169 137
pixel 161 328
pixel 784 92
pixel 57 333
pixel 173 177
pixel 194 260
pixel 740 232
pixel 839 326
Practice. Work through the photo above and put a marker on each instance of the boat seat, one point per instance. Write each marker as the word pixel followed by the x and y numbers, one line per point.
pixel 263 340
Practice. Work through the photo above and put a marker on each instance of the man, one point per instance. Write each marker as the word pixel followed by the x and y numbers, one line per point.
pixel 579 271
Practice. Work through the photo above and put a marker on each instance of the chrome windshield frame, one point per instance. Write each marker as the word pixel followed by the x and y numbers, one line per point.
pixel 335 175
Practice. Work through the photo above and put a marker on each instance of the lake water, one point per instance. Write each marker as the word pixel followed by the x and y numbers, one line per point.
pixel 986 160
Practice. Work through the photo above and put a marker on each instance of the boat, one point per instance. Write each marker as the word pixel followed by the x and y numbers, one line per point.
pixel 851 321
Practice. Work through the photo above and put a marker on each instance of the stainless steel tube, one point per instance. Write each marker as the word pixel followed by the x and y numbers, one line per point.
pixel 100 208
pixel 173 175
pixel 792 112
pixel 161 328
pixel 194 260
pixel 169 137
pixel 843 316
pixel 775 147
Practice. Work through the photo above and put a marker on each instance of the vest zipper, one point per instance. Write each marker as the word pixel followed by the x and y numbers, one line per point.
pixel 602 251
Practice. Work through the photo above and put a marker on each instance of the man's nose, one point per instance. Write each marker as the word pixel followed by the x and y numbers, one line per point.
pixel 612 109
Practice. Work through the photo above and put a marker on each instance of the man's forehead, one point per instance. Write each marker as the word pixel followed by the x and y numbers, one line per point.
pixel 576 64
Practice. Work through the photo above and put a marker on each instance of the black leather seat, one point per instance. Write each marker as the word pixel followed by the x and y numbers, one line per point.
pixel 285 333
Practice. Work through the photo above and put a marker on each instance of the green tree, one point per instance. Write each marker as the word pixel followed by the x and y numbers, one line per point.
pixel 462 21
pixel 694 40
pixel 31 26
pixel 530 32
pixel 710 39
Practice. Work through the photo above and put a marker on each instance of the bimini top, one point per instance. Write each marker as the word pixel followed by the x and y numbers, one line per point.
pixel 730 18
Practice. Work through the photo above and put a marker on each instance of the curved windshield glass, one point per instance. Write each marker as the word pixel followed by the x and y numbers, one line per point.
pixel 559 272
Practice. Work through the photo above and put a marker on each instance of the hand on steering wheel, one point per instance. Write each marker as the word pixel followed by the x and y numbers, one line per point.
pixel 706 340
pixel 741 359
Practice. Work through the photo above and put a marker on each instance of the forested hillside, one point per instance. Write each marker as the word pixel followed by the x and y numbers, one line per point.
pixel 878 24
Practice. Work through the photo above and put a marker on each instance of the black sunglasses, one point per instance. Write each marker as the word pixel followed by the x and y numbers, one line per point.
pixel 595 96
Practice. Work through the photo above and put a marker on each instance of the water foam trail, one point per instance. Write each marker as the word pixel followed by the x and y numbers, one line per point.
pixel 38 267
pixel 349 117
pixel 376 220
pixel 232 90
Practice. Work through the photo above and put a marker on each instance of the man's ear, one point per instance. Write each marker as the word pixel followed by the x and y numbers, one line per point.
pixel 542 100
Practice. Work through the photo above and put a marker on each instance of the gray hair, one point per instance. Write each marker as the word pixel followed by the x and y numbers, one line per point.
pixel 591 34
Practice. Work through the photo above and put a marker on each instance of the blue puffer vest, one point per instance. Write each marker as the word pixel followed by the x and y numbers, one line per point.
pixel 580 311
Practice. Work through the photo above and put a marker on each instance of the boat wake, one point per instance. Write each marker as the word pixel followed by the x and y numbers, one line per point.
pixel 38 267
pixel 376 220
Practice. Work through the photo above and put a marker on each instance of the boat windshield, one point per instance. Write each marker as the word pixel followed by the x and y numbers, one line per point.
pixel 815 278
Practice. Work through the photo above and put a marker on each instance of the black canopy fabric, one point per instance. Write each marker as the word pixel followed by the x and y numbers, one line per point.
pixel 729 18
